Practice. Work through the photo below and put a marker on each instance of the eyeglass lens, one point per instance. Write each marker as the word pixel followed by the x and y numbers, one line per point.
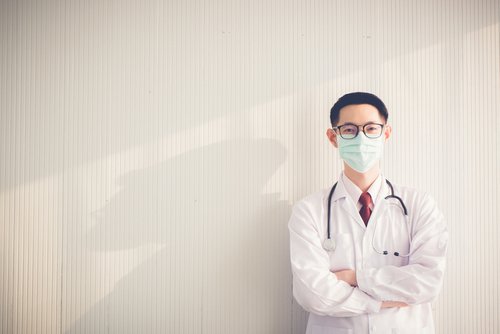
pixel 371 130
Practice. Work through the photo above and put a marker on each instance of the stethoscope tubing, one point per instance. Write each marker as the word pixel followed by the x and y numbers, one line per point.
pixel 405 212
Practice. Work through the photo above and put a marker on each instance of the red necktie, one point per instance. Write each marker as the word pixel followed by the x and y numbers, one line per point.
pixel 365 199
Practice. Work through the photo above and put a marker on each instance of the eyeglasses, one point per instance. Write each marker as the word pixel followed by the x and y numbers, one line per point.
pixel 350 131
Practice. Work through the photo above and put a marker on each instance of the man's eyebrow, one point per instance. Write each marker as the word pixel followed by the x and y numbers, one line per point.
pixel 369 122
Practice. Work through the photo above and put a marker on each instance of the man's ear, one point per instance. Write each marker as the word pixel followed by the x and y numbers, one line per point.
pixel 387 132
pixel 332 137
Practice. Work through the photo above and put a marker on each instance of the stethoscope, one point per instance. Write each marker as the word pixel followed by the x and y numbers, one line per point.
pixel 329 244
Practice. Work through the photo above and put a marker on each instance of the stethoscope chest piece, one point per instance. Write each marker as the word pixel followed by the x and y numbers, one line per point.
pixel 329 245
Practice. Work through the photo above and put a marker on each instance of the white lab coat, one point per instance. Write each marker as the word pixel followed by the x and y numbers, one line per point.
pixel 337 308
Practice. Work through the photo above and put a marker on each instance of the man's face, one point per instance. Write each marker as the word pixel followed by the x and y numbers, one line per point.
pixel 358 114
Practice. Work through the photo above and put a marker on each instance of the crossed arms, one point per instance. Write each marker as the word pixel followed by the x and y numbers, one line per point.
pixel 349 292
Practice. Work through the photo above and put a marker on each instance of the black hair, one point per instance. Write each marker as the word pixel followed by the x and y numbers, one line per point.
pixel 357 98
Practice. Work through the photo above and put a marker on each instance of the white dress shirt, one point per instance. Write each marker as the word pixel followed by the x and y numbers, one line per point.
pixel 354 191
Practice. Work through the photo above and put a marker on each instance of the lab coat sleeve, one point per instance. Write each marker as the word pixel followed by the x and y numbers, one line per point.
pixel 315 288
pixel 420 280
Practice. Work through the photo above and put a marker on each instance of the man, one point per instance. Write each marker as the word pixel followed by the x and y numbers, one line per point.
pixel 365 258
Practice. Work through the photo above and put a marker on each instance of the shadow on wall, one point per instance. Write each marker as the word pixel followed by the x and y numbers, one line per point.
pixel 224 265
pixel 194 53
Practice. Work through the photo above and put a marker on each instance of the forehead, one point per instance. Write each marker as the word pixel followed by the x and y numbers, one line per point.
pixel 359 114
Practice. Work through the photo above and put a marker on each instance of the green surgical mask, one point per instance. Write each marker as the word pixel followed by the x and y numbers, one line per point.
pixel 361 152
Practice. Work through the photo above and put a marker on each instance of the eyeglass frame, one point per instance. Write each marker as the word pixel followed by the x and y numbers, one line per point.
pixel 357 129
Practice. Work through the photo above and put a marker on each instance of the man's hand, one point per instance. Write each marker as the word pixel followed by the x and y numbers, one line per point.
pixel 388 304
pixel 348 276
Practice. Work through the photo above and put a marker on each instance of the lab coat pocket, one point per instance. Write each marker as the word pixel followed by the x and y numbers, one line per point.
pixel 330 330
pixel 391 234
pixel 343 257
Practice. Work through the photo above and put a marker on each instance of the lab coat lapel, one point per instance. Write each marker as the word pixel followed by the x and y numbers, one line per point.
pixel 380 205
pixel 346 203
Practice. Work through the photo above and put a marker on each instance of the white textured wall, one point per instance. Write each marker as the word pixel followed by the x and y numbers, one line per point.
pixel 150 153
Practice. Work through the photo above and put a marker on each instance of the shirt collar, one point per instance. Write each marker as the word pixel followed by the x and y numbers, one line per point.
pixel 354 192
